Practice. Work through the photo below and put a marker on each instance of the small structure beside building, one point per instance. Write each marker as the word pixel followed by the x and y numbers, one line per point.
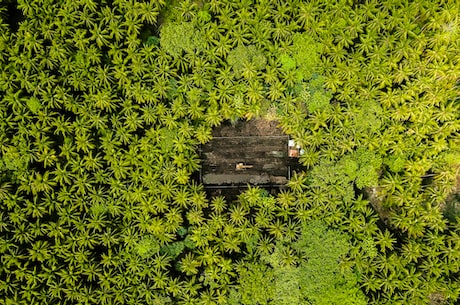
pixel 294 149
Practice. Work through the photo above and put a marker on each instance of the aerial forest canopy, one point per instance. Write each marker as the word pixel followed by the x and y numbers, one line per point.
pixel 103 105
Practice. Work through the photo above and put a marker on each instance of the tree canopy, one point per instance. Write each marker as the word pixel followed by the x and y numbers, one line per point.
pixel 103 106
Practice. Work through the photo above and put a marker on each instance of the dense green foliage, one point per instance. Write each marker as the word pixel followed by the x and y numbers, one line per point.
pixel 303 272
pixel 103 104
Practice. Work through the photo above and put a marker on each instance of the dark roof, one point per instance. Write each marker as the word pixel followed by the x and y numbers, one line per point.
pixel 264 153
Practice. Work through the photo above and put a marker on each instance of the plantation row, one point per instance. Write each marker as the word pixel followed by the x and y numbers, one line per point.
pixel 103 106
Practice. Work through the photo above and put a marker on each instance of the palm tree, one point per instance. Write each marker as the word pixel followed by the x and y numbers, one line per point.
pixel 286 199
pixel 237 215
pixel 371 283
pixel 189 264
pixel 385 241
pixel 213 116
pixel 47 157
pixel 149 115
pixel 41 183
pixel 169 120
pixel 209 256
pixel 62 126
pixel 297 182
pixel 203 133
pixel 276 91
pixel 182 176
pixel 149 11
pixel 195 110
pixel 223 45
pixel 277 229
pixel 264 217
pixel 240 33
pixel 21 233
pixel 202 78
pixel 306 14
pixel 218 204
pixel 249 70
pixel 255 92
pixel 230 243
pixel 187 10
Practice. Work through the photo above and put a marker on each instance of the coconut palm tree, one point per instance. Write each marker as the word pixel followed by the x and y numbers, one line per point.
pixel 385 241
pixel 223 45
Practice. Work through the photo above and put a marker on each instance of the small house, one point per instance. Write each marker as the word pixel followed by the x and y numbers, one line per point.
pixel 252 152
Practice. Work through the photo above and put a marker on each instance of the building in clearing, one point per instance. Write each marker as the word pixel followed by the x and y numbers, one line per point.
pixel 252 152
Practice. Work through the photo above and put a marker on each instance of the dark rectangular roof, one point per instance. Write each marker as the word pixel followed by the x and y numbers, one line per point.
pixel 264 158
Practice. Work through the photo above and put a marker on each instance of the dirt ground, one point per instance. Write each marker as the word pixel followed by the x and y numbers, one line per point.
pixel 248 128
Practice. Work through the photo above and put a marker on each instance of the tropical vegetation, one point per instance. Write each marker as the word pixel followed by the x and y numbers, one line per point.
pixel 103 106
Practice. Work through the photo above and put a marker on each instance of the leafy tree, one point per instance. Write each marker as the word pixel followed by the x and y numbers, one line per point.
pixel 243 56
pixel 316 279
pixel 303 54
pixel 180 37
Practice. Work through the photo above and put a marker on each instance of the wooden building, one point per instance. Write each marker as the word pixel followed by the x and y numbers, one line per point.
pixel 252 152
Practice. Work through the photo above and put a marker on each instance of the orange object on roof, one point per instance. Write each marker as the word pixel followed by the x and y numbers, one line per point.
pixel 241 166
